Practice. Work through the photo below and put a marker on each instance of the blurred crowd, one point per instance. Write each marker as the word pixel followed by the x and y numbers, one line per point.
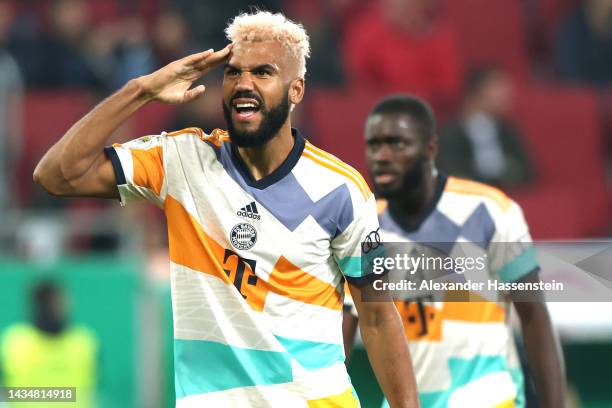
pixel 394 44
pixel 412 46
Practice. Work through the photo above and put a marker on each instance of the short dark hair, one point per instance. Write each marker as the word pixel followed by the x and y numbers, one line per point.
pixel 419 110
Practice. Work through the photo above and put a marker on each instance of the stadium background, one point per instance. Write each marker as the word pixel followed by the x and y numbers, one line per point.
pixel 112 262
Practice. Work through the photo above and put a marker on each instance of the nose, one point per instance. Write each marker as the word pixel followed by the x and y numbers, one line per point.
pixel 245 82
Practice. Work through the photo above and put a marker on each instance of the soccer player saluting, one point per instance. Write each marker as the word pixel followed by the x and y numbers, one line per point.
pixel 463 352
pixel 262 228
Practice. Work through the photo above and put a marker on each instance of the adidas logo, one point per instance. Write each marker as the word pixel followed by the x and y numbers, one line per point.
pixel 249 211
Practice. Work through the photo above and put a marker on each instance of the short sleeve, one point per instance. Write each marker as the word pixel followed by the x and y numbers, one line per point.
pixel 512 255
pixel 347 246
pixel 140 169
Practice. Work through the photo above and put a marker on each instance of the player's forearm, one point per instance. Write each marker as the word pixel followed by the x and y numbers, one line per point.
pixel 543 354
pixel 82 145
pixel 388 352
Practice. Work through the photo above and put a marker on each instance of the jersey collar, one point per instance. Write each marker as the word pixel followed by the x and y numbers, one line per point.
pixel 285 168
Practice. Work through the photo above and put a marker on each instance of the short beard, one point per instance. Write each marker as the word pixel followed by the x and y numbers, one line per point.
pixel 271 123
pixel 412 181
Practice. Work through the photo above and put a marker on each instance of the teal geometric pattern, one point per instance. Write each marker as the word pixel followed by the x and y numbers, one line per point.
pixel 464 371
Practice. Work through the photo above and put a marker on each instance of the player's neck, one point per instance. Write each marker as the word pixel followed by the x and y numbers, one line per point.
pixel 409 209
pixel 262 161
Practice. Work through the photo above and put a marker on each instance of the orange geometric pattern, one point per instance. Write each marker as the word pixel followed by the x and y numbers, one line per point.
pixel 290 281
pixel 424 321
pixel 189 245
pixel 148 168
pixel 462 186
pixel 216 137
pixel 474 312
pixel 192 247
pixel 421 322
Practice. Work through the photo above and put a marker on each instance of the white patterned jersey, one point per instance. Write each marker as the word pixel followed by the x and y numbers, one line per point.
pixel 257 266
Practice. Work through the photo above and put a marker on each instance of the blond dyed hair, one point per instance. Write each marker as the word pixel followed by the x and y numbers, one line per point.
pixel 263 26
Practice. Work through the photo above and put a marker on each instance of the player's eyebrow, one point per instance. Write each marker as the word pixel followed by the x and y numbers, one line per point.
pixel 267 67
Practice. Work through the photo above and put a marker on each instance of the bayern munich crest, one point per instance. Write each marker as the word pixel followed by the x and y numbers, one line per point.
pixel 243 236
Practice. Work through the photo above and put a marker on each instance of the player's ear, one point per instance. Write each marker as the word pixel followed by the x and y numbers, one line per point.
pixel 431 149
pixel 296 91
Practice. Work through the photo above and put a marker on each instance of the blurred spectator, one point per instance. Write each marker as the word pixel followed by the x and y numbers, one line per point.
pixel 119 50
pixel 10 108
pixel 133 52
pixel 343 11
pixel 320 20
pixel 584 44
pixel 171 38
pixel 208 19
pixel 483 144
pixel 398 45
pixel 82 44
pixel 49 352
pixel 58 57
pixel 41 238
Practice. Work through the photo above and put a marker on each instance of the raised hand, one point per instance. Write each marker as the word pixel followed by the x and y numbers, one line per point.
pixel 171 83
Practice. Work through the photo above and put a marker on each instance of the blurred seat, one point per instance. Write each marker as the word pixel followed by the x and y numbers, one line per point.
pixel 605 115
pixel 48 115
pixel 564 136
pixel 551 13
pixel 337 120
pixel 490 32
pixel 104 11
pixel 152 119
pixel 543 18
pixel 112 11
pixel 552 212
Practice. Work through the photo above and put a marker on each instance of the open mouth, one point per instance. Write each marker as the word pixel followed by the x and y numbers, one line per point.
pixel 245 109
pixel 384 177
